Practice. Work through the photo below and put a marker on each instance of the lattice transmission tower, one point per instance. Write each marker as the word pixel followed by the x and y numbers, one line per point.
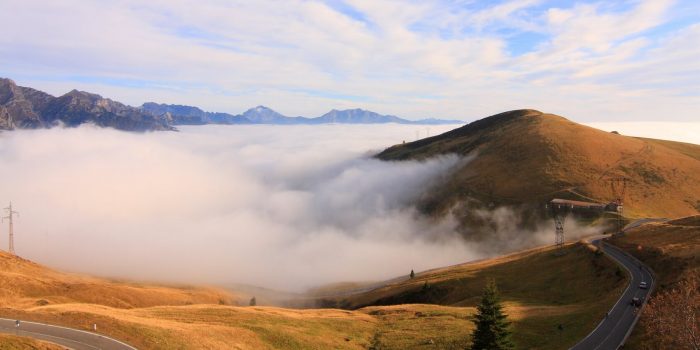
pixel 559 213
pixel 10 214
pixel 618 186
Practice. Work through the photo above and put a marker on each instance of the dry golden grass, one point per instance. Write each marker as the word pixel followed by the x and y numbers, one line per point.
pixel 11 342
pixel 415 326
pixel 540 290
pixel 529 157
pixel 215 326
pixel 158 317
pixel 26 284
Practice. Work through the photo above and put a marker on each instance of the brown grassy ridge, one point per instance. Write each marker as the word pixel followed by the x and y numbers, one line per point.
pixel 672 250
pixel 526 156
pixel 573 290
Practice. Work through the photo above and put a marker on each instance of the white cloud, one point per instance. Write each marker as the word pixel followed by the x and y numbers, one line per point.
pixel 283 207
pixel 414 59
pixel 682 132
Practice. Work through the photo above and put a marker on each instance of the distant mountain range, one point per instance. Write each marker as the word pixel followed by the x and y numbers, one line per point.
pixel 27 108
pixel 188 115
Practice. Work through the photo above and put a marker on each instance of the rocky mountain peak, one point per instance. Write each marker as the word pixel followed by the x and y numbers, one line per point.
pixel 22 107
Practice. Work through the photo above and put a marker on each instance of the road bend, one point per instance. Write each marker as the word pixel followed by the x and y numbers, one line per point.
pixel 614 329
pixel 71 338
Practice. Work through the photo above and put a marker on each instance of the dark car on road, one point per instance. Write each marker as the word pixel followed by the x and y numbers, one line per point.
pixel 636 302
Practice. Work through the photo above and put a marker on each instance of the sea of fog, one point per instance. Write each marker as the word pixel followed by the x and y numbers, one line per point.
pixel 284 207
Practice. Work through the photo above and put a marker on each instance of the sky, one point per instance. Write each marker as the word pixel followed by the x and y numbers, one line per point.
pixel 591 61
pixel 284 207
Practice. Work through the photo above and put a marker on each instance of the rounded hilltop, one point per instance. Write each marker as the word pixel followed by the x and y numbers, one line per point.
pixel 528 156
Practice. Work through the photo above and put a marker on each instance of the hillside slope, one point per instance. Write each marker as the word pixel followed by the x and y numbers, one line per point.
pixel 26 284
pixel 575 293
pixel 529 157
pixel 539 288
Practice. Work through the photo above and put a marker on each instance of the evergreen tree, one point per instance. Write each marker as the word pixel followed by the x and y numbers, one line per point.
pixel 253 302
pixel 492 327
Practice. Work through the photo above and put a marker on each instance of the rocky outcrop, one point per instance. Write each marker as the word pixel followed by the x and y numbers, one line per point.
pixel 27 108
pixel 16 108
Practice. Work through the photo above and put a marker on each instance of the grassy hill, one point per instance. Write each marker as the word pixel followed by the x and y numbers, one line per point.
pixel 528 157
pixel 541 290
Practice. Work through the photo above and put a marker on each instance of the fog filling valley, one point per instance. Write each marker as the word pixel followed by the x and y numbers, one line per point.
pixel 284 207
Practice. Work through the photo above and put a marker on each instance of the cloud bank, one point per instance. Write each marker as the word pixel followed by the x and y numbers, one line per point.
pixel 681 132
pixel 282 207
pixel 285 207
pixel 587 60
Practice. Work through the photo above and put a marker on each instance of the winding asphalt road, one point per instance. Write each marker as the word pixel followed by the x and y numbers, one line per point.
pixel 70 338
pixel 612 331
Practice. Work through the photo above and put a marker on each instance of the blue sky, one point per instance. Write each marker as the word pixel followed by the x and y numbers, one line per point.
pixel 460 59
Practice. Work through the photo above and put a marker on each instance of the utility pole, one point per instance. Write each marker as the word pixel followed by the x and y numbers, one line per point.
pixel 10 214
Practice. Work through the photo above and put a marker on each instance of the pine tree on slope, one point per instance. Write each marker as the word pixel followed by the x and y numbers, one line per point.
pixel 492 327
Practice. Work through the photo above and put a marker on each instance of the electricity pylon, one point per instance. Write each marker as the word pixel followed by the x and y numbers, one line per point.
pixel 559 213
pixel 10 215
pixel 618 185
